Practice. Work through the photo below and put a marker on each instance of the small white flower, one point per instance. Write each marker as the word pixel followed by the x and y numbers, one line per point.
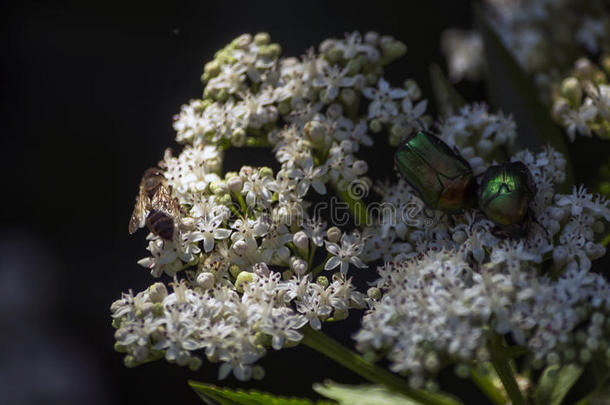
pixel 383 105
pixel 333 78
pixel 209 228
pixel 346 254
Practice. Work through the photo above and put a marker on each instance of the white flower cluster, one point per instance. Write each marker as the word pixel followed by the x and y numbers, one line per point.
pixel 450 281
pixel 478 133
pixel 231 228
pixel 581 103
pixel 546 50
pixel 233 327
pixel 463 51
pixel 529 30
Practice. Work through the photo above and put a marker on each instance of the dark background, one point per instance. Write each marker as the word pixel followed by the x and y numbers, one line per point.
pixel 87 98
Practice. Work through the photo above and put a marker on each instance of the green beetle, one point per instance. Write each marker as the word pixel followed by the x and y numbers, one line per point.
pixel 441 177
pixel 505 193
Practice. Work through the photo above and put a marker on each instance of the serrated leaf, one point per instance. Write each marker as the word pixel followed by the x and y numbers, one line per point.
pixel 448 100
pixel 555 383
pixel 361 394
pixel 512 91
pixel 213 395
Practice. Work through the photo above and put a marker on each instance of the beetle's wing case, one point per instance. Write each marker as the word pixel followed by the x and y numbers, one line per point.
pixel 442 177
pixel 416 169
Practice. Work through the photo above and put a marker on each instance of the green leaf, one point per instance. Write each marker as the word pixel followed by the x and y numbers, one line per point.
pixel 600 396
pixel 448 100
pixel 555 383
pixel 213 395
pixel 512 91
pixel 361 394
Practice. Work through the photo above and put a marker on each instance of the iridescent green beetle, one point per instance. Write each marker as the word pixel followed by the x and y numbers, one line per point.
pixel 505 193
pixel 442 177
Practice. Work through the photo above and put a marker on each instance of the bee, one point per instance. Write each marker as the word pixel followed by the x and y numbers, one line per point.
pixel 155 206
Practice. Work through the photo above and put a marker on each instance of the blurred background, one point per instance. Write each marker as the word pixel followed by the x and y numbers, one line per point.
pixel 87 98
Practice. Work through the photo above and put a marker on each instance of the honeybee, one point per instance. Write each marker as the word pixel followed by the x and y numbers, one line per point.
pixel 155 206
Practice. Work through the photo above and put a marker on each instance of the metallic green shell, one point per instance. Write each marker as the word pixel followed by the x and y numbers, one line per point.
pixel 505 193
pixel 441 176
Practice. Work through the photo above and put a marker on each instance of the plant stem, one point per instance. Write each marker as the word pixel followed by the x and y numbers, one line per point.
pixel 606 240
pixel 486 385
pixel 354 362
pixel 318 269
pixel 312 252
pixel 504 370
pixel 356 207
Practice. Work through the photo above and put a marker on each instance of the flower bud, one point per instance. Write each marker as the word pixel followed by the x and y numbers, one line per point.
pixel 235 184
pixel 238 137
pixel 271 51
pixel 265 172
pixel 234 270
pixel 262 38
pixel 194 363
pixel 322 281
pixel 360 167
pixel 243 278
pixel 261 269
pixel 376 126
pixel 391 49
pixel 240 247
pixel 287 274
pixel 205 280
pixel 218 187
pixel 157 292
pixel 258 373
pixel 412 88
pixel 298 265
pixel 462 370
pixel 300 240
pixel 374 293
pixel 371 38
pixel 572 90
pixel 349 97
pixel 333 234
pixel 340 314
pixel 210 70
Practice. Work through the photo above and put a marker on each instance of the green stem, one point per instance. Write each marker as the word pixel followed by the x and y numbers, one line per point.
pixel 318 269
pixel 354 362
pixel 356 207
pixel 606 240
pixel 486 385
pixel 504 370
pixel 312 252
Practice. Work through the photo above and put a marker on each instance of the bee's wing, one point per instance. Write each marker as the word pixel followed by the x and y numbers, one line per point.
pixel 162 201
pixel 140 212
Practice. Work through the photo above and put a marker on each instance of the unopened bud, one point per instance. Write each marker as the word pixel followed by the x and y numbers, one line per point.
pixel 374 293
pixel 298 265
pixel 266 172
pixel 300 240
pixel 243 278
pixel 262 38
pixel 205 280
pixel 572 90
pixel 333 234
pixel 235 184
pixel 376 126
pixel 157 292
pixel 234 270
pixel 219 187
pixel 238 137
